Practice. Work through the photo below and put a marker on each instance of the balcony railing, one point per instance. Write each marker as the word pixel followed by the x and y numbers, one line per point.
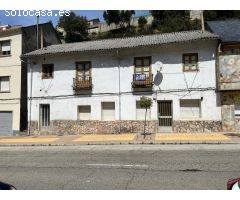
pixel 142 81
pixel 82 84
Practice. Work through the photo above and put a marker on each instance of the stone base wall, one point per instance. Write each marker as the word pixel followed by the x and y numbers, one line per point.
pixel 181 126
pixel 75 127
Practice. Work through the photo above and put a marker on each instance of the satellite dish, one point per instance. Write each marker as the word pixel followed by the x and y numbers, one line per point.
pixel 158 78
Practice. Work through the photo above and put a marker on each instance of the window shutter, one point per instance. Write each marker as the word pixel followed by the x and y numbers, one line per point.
pixel 84 112
pixel 6 46
pixel 108 111
pixel 4 84
pixel 190 108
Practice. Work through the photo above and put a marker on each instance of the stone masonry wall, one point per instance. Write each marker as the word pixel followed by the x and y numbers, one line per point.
pixel 196 126
pixel 71 127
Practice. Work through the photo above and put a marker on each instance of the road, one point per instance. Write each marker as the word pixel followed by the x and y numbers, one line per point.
pixel 120 166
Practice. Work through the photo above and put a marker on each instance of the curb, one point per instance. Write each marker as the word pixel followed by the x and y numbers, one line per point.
pixel 121 143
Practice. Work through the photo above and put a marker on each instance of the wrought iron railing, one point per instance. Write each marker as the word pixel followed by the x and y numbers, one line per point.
pixel 142 81
pixel 82 84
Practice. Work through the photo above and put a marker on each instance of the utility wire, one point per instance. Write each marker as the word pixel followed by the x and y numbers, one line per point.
pixel 109 94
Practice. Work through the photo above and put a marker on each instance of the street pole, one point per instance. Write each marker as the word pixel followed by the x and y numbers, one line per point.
pixel 31 80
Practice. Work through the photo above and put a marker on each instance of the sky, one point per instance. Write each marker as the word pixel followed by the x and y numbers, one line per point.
pixel 19 19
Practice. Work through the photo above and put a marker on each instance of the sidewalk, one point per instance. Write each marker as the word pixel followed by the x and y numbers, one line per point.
pixel 108 139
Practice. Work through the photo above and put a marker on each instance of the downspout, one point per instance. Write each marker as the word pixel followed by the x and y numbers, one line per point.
pixel 30 100
pixel 119 92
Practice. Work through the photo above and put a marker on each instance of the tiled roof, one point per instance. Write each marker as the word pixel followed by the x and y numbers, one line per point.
pixel 120 43
pixel 228 30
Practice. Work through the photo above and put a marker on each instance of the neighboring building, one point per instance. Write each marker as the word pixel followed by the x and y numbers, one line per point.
pixel 195 14
pixel 229 71
pixel 95 86
pixel 15 41
pixel 95 26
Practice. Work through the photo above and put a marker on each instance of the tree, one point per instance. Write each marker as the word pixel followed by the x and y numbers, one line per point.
pixel 142 23
pixel 210 15
pixel 121 18
pixel 171 20
pixel 146 103
pixel 76 27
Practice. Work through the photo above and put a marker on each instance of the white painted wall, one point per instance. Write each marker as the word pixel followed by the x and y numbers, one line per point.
pixel 11 66
pixel 105 80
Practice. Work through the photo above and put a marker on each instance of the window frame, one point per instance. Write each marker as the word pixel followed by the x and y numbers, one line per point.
pixel 84 71
pixel 142 64
pixel 105 102
pixel 6 91
pixel 44 75
pixel 191 118
pixel 90 113
pixel 190 59
pixel 1 52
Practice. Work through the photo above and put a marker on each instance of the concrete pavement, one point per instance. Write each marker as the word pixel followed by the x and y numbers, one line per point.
pixel 120 166
pixel 160 138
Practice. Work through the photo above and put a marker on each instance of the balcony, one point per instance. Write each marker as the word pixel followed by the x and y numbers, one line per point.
pixel 82 84
pixel 142 81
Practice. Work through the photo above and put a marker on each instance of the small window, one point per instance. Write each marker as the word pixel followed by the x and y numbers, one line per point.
pixel 44 115
pixel 4 84
pixel 84 112
pixel 190 62
pixel 237 111
pixel 108 111
pixel 190 108
pixel 5 48
pixel 47 71
pixel 140 112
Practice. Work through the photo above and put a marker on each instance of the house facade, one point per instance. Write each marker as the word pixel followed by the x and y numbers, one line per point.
pixel 15 41
pixel 95 87
pixel 228 71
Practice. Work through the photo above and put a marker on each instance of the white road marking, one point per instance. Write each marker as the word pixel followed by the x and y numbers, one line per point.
pixel 117 165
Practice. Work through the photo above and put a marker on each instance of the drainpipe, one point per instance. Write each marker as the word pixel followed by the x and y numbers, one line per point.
pixel 30 101
pixel 119 91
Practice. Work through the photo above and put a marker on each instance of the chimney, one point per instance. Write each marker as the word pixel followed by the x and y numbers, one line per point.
pixel 202 21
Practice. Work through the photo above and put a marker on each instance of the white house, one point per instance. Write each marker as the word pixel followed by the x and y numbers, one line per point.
pixel 95 86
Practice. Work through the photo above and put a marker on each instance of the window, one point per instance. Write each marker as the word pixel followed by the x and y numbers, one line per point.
pixel 4 84
pixel 237 111
pixel 142 68
pixel 84 112
pixel 140 112
pixel 190 62
pixel 190 108
pixel 44 115
pixel 47 71
pixel 5 48
pixel 108 111
pixel 233 51
pixel 83 70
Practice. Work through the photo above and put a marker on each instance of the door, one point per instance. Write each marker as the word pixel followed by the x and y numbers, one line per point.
pixel 6 123
pixel 165 115
pixel 83 70
pixel 44 115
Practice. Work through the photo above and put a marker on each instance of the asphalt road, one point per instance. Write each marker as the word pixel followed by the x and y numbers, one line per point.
pixel 120 167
